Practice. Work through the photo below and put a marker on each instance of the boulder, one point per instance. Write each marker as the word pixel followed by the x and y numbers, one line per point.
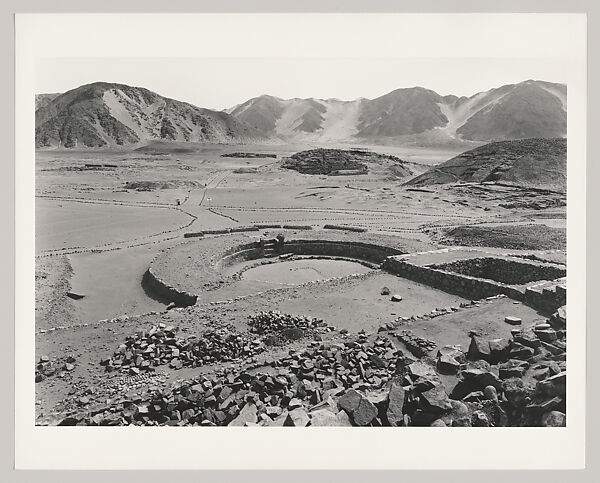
pixel 297 417
pixel 553 386
pixel 490 393
pixel 545 335
pixel 527 339
pixel 396 298
pixel 358 407
pixel 499 350
pixel 479 349
pixel 395 407
pixel 349 401
pixel 482 378
pixel 365 413
pixel 248 414
pixel 520 351
pixel 447 365
pixel 435 400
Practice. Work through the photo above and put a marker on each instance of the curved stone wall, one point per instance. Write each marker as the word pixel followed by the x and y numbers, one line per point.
pixel 361 251
pixel 160 290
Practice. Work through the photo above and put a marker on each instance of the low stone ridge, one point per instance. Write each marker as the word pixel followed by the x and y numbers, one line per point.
pixel 248 155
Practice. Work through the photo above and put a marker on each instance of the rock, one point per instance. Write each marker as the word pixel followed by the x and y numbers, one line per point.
pixel 349 401
pixel 545 335
pixel 516 392
pixel 499 350
pixel 554 385
pixel 323 417
pixel 396 298
pixel 297 417
pixel 365 412
pixel 490 393
pixel 554 419
pixel 69 367
pixel 248 414
pixel 512 368
pixel 482 378
pixel 385 291
pixel 512 320
pixel 395 407
pixel 527 339
pixel 326 417
pixel 519 351
pixel 448 365
pixel 294 403
pixel 436 400
pixel 421 369
pixel 479 349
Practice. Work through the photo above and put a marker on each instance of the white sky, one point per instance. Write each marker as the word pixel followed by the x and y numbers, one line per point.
pixel 218 83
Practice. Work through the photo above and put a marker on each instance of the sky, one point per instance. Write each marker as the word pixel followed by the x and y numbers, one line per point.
pixel 220 83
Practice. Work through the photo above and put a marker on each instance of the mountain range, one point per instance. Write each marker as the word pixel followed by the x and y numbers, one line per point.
pixel 108 114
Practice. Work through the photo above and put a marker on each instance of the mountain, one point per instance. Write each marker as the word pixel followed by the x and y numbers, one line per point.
pixel 106 114
pixel 538 162
pixel 297 119
pixel 42 100
pixel 515 111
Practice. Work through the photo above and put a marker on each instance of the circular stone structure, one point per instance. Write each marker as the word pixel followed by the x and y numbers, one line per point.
pixel 302 270
pixel 185 272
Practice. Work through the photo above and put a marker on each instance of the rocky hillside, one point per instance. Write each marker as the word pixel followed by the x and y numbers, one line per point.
pixel 534 162
pixel 517 111
pixel 103 114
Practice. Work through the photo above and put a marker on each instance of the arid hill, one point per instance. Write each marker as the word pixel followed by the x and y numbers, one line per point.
pixel 540 163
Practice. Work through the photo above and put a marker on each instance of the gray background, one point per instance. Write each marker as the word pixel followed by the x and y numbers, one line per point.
pixel 9 7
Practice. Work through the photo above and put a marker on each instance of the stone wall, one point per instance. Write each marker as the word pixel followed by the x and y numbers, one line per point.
pixel 510 272
pixel 356 229
pixel 463 285
pixel 358 250
pixel 161 290
pixel 546 300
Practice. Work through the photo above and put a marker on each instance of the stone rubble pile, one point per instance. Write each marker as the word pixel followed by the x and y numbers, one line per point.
pixel 61 367
pixel 278 328
pixel 359 380
pixel 160 345
pixel 525 377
